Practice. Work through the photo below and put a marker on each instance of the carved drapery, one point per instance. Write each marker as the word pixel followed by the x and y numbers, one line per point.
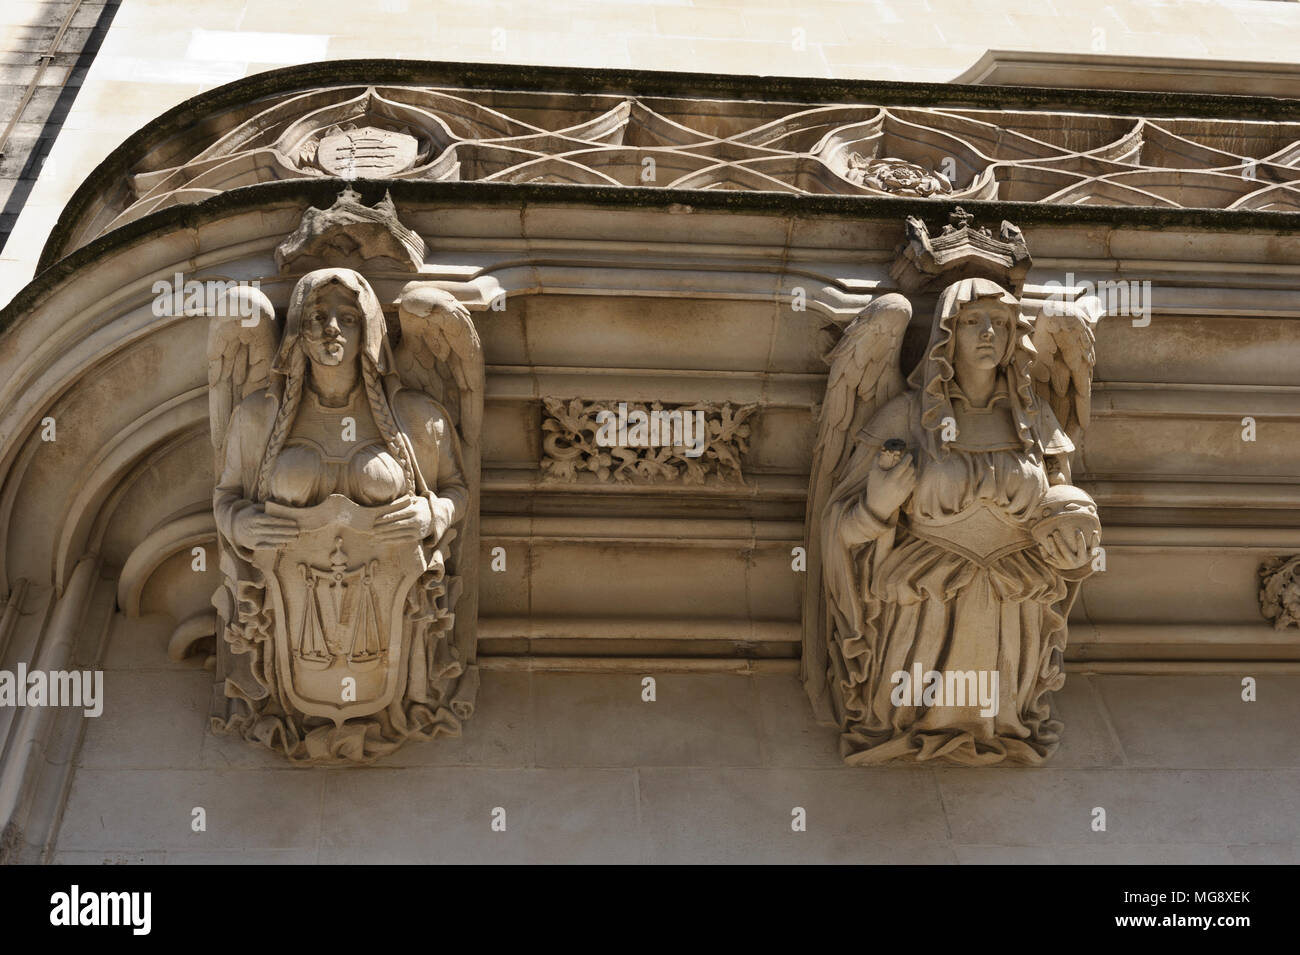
pixel 947 541
pixel 346 494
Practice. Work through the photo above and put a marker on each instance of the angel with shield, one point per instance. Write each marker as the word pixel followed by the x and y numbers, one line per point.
pixel 946 536
pixel 345 504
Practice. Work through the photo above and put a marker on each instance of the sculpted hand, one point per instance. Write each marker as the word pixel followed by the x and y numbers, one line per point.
pixel 253 528
pixel 1066 550
pixel 888 489
pixel 410 522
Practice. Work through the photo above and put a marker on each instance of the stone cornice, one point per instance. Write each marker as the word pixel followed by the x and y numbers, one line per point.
pixel 322 191
pixel 1106 71
pixel 268 87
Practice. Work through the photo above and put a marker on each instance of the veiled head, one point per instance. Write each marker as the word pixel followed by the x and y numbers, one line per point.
pixel 971 315
pixel 960 319
pixel 335 317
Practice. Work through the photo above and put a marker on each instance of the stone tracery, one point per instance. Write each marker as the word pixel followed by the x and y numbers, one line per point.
pixel 407 132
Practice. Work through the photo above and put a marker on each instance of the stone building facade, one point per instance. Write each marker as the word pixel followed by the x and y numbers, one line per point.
pixel 621 637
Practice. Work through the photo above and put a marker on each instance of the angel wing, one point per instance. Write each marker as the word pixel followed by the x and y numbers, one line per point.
pixel 440 354
pixel 864 375
pixel 1065 339
pixel 242 338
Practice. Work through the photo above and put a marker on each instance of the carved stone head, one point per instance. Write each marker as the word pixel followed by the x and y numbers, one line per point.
pixel 986 303
pixel 334 316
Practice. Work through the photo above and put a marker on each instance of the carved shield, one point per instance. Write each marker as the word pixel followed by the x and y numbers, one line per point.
pixel 366 153
pixel 339 597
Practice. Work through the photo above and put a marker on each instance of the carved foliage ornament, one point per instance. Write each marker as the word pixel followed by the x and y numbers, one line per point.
pixel 638 443
pixel 346 508
pixel 1279 592
pixel 897 177
pixel 946 540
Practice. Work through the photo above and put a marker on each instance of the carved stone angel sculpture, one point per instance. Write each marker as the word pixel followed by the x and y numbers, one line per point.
pixel 947 543
pixel 346 511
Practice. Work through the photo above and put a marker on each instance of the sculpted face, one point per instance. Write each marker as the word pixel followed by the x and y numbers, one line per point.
pixel 332 325
pixel 981 332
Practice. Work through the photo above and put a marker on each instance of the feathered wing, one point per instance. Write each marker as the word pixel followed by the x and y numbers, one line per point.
pixel 1065 341
pixel 864 375
pixel 440 354
pixel 242 339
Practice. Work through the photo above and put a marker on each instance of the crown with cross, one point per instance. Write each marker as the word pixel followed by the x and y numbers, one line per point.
pixel 961 250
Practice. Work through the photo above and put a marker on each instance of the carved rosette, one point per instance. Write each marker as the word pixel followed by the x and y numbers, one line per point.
pixel 574 449
pixel 898 177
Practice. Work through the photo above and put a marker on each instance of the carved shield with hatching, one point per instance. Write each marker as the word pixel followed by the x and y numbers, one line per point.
pixel 339 597
pixel 366 153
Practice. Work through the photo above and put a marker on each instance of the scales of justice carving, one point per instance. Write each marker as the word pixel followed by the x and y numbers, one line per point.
pixel 347 468
pixel 947 541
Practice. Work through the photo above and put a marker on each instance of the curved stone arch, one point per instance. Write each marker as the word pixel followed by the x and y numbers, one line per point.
pixel 162 543
pixel 83 310
pixel 81 328
pixel 101 468
pixel 155 433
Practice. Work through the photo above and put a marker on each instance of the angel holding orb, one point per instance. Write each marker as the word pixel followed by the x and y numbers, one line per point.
pixel 945 533
pixel 346 488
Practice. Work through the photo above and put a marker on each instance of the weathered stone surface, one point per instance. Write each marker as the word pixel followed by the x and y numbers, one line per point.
pixel 528 207
pixel 947 541
pixel 845 148
pixel 349 230
pixel 343 502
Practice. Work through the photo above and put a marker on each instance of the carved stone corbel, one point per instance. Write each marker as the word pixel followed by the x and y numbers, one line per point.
pixel 946 540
